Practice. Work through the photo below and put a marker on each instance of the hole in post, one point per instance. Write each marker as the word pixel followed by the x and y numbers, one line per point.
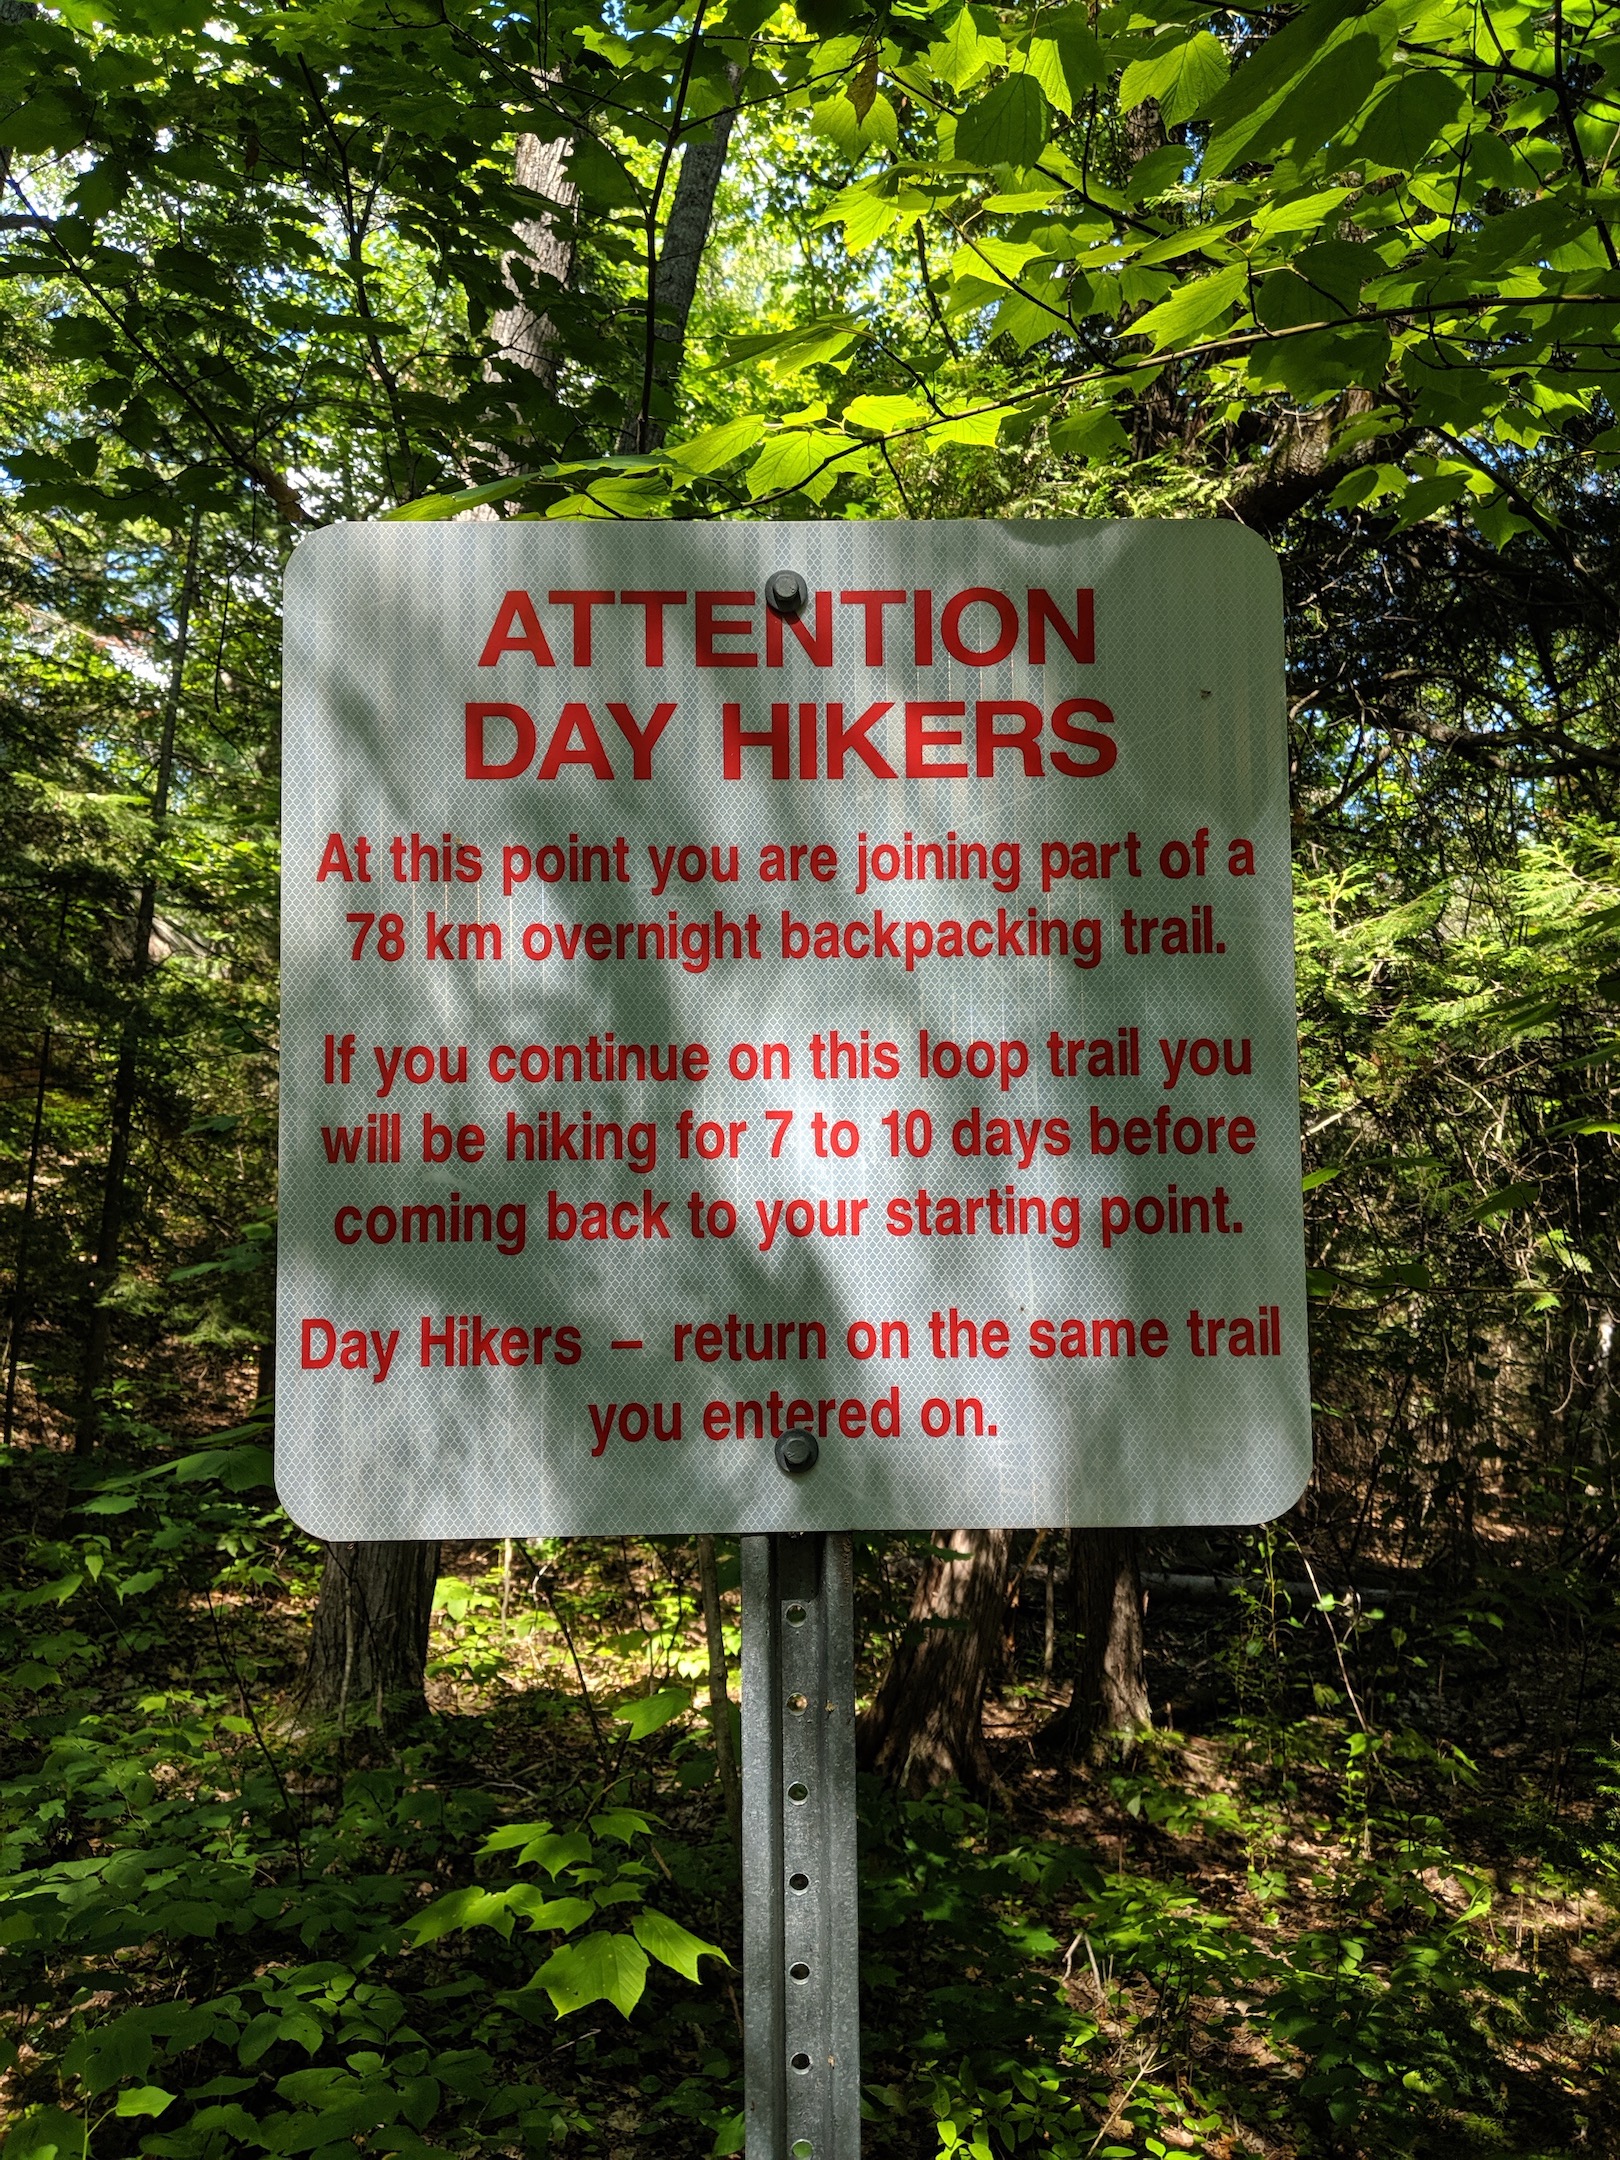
pixel 802 2149
pixel 801 2062
pixel 795 1615
pixel 797 1704
pixel 798 1882
pixel 798 1792
pixel 801 1971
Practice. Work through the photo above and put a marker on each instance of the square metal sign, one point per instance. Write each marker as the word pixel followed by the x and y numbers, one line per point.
pixel 752 979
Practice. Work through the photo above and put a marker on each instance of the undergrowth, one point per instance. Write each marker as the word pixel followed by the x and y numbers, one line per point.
pixel 1306 1930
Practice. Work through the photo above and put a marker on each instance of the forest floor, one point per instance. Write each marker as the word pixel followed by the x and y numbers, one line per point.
pixel 1354 1895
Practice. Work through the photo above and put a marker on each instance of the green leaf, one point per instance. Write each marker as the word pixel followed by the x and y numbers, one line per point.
pixel 229 2117
pixel 865 214
pixel 419 2098
pixel 1183 71
pixel 144 2100
pixel 783 353
pixel 622 1892
pixel 1160 170
pixel 788 460
pixel 883 414
pixel 1095 432
pixel 238 1469
pixel 189 1916
pixel 298 2026
pixel 29 1673
pixel 621 1823
pixel 510 1836
pixel 598 174
pixel 598 1968
pixel 49 2133
pixel 855 132
pixel 469 1907
pixel 671 1944
pixel 1300 213
pixel 967 48
pixel 718 446
pixel 1007 126
pixel 314 2088
pixel 1199 305
pixel 1400 129
pixel 1505 1201
pixel 1065 58
pixel 564 1913
pixel 650 1712
pixel 1423 498
pixel 1313 1178
pixel 44 122
pixel 117 2048
pixel 554 1850
pixel 1279 60
pixel 336 2125
pixel 448 506
pixel 1310 77
pixel 973 427
pixel 618 495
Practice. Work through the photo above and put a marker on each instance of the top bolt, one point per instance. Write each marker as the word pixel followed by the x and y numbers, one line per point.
pixel 786 592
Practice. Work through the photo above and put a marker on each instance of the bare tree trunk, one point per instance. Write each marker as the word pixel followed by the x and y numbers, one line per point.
pixel 1110 1686
pixel 925 1726
pixel 524 334
pixel 368 1647
pixel 725 1755
pixel 369 1642
pixel 36 1137
pixel 110 1237
pixel 672 286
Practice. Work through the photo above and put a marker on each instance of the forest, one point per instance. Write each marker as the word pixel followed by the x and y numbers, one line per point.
pixel 1292 1841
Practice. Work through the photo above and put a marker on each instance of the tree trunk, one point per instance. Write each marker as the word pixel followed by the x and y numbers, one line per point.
pixel 369 1644
pixel 370 1637
pixel 36 1137
pixel 924 1728
pixel 121 1125
pixel 672 286
pixel 1110 1685
pixel 523 334
pixel 725 1755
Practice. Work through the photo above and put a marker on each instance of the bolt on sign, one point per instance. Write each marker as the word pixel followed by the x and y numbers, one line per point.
pixel 787 1027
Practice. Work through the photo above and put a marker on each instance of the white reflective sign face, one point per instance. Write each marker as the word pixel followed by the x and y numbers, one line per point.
pixel 701 1023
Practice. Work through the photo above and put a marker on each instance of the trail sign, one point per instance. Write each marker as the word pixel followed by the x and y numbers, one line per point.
pixel 787 1027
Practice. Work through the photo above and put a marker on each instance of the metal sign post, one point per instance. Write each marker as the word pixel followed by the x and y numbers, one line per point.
pixel 801 2033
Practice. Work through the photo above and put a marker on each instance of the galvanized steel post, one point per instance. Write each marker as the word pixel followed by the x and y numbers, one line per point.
pixel 801 2024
